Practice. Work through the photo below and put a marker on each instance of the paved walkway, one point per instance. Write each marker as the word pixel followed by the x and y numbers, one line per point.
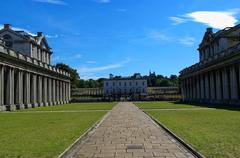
pixel 127 132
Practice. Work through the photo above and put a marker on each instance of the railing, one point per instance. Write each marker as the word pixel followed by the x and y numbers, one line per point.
pixel 222 54
pixel 20 56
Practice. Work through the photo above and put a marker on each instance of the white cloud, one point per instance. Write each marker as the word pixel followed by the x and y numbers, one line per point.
pixel 215 19
pixel 104 1
pixel 88 76
pixel 91 62
pixel 52 36
pixel 157 35
pixel 66 58
pixel 187 41
pixel 103 68
pixel 218 20
pixel 55 2
pixel 177 20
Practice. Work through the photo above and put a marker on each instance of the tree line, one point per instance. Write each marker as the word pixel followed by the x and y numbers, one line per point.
pixel 152 79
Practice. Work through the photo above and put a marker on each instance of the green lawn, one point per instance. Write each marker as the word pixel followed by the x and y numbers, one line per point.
pixel 75 106
pixel 163 105
pixel 215 133
pixel 42 135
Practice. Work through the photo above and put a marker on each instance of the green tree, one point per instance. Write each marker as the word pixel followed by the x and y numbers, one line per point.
pixel 73 74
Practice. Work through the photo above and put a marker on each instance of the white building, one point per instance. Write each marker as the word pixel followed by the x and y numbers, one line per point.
pixel 125 87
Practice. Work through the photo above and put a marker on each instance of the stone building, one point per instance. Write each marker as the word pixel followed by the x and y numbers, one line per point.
pixel 26 77
pixel 125 86
pixel 216 77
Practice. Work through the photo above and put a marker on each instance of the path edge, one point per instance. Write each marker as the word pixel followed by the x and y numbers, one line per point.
pixel 180 140
pixel 71 148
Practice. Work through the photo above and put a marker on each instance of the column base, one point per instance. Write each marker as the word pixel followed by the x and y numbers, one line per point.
pixel 58 103
pixel 40 104
pixel 34 105
pixel 20 106
pixel 27 106
pixel 11 107
pixel 54 103
pixel 50 103
pixel 45 104
pixel 3 108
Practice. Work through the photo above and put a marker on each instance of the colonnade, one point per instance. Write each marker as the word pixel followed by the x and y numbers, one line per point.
pixel 21 88
pixel 217 86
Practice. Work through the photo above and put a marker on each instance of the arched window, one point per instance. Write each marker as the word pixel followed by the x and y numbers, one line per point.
pixel 8 40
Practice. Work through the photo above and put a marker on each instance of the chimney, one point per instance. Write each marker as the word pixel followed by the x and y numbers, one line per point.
pixel 209 30
pixel 39 34
pixel 7 26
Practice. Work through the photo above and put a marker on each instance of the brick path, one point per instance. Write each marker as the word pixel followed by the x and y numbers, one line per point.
pixel 129 133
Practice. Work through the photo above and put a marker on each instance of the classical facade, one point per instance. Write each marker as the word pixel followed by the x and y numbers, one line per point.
pixel 26 77
pixel 125 86
pixel 216 78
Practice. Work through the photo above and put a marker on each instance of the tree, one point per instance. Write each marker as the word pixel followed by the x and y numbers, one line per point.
pixel 73 74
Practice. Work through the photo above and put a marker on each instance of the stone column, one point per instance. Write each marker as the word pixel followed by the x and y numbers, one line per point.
pixel 34 91
pixel 202 87
pixel 19 90
pixel 50 91
pixel 45 93
pixel 183 89
pixel 57 92
pixel 10 90
pixel 198 87
pixel 64 92
pixel 226 95
pixel 207 95
pixel 189 89
pixel 218 86
pixel 69 91
pixel 233 83
pixel 2 107
pixel 54 91
pixel 40 91
pixel 60 92
pixel 212 87
pixel 27 90
pixel 193 88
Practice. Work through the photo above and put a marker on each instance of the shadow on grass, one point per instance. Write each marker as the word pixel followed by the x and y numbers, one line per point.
pixel 207 105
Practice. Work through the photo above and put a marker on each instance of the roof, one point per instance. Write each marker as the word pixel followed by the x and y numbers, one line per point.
pixel 210 36
pixel 36 39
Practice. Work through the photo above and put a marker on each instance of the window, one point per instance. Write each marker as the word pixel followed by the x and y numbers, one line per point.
pixel 119 83
pixel 106 83
pixel 143 83
pixel 113 84
pixel 125 84
pixel 8 40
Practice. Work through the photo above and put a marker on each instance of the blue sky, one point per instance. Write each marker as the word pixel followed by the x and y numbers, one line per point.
pixel 98 37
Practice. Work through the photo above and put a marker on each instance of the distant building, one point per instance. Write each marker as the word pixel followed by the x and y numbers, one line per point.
pixel 26 77
pixel 216 78
pixel 125 86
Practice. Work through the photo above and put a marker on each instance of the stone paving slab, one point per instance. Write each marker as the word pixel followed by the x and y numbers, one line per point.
pixel 127 132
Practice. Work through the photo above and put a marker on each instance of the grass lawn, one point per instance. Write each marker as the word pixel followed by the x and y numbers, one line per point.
pixel 163 105
pixel 215 133
pixel 75 106
pixel 42 135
